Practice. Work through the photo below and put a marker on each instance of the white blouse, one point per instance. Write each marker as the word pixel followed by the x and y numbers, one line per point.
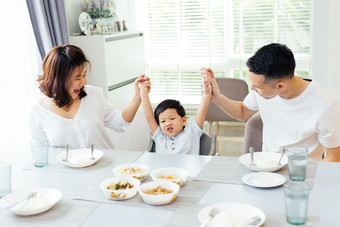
pixel 86 128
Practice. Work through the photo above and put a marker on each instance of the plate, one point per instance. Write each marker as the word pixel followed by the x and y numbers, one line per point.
pixel 78 158
pixel 85 23
pixel 264 179
pixel 232 214
pixel 47 198
pixel 265 161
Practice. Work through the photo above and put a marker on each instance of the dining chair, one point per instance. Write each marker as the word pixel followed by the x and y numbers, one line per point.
pixel 207 145
pixel 253 133
pixel 235 89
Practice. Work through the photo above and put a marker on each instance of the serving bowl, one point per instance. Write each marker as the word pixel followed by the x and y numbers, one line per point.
pixel 128 188
pixel 170 174
pixel 135 170
pixel 158 187
pixel 265 161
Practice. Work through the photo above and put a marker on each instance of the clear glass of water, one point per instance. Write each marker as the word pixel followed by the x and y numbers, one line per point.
pixel 296 202
pixel 297 163
pixel 5 179
pixel 39 150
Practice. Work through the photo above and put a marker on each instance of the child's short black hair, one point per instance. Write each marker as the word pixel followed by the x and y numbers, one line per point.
pixel 169 104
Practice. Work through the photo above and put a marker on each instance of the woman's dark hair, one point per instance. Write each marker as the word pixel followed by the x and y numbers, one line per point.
pixel 169 104
pixel 274 61
pixel 58 66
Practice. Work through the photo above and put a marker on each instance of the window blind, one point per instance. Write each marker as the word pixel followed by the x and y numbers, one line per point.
pixel 182 36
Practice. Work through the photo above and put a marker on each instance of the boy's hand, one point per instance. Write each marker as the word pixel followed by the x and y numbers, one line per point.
pixel 139 83
pixel 210 84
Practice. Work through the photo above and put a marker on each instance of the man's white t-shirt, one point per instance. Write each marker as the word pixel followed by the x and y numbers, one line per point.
pixel 186 142
pixel 310 120
pixel 86 128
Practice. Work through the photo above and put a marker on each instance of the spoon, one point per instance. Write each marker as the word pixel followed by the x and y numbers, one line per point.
pixel 92 157
pixel 251 151
pixel 212 214
pixel 66 158
pixel 22 203
pixel 282 152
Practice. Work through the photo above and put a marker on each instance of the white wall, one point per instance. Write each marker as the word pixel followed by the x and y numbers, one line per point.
pixel 326 45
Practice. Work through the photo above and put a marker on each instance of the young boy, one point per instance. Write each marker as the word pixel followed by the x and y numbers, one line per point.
pixel 168 123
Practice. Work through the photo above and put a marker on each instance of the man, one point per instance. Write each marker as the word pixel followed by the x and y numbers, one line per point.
pixel 295 112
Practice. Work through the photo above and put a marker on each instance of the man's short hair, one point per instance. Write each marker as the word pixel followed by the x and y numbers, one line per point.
pixel 273 61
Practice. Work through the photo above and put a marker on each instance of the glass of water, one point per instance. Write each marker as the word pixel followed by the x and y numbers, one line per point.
pixel 296 202
pixel 297 163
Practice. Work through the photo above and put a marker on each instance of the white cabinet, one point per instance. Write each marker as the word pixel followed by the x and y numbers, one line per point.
pixel 116 61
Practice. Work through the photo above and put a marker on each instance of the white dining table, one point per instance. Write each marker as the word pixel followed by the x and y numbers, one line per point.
pixel 75 210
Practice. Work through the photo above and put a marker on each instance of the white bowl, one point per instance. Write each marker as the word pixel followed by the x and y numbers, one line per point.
pixel 265 161
pixel 78 158
pixel 158 199
pixel 46 199
pixel 120 194
pixel 170 174
pixel 123 171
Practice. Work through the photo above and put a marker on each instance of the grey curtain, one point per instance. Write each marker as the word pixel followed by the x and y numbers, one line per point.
pixel 49 23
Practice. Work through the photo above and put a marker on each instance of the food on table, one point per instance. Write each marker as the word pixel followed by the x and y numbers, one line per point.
pixel 168 177
pixel 132 170
pixel 158 191
pixel 121 185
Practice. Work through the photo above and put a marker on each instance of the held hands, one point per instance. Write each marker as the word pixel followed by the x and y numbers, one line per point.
pixel 209 83
pixel 143 84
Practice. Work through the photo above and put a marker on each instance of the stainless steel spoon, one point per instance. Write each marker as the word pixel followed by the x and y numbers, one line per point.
pixel 282 152
pixel 66 158
pixel 251 151
pixel 214 211
pixel 92 157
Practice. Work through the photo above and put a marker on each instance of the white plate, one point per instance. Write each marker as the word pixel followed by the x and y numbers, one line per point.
pixel 85 23
pixel 232 214
pixel 265 161
pixel 264 179
pixel 78 158
pixel 47 198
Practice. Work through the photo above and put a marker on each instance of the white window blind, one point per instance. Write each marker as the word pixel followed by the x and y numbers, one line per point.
pixel 184 35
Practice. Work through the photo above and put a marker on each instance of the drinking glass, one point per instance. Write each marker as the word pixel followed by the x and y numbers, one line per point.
pixel 39 150
pixel 296 202
pixel 297 163
pixel 5 179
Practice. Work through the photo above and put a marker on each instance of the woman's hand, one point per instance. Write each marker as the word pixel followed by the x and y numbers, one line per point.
pixel 140 82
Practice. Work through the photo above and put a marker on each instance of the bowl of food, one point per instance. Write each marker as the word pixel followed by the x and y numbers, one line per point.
pixel 158 192
pixel 135 170
pixel 264 161
pixel 170 174
pixel 120 188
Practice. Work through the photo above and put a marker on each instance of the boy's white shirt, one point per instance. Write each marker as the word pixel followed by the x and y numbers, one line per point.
pixel 186 142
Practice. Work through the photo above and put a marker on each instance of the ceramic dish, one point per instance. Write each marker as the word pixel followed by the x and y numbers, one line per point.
pixel 78 158
pixel 135 170
pixel 158 199
pixel 85 23
pixel 263 179
pixel 233 214
pixel 172 174
pixel 122 194
pixel 45 199
pixel 265 161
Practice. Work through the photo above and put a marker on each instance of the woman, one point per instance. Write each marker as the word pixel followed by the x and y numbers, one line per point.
pixel 71 112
